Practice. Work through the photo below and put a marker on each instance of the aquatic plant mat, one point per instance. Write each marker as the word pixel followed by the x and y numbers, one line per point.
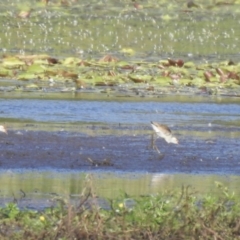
pixel 116 78
pixel 180 214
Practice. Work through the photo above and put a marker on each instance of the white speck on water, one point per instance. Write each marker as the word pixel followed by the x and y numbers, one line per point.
pixel 19 133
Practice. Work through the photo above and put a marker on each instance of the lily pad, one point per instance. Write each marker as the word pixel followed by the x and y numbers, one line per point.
pixel 35 68
pixel 12 63
pixel 5 72
pixel 71 61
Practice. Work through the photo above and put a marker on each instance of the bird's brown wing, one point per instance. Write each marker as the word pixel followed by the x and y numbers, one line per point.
pixel 165 127
pixel 158 128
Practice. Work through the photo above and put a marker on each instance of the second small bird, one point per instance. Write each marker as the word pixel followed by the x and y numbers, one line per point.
pixel 3 129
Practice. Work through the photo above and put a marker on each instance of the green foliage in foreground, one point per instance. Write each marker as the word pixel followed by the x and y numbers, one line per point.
pixel 177 215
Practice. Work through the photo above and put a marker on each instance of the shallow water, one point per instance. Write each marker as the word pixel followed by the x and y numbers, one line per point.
pixel 61 135
pixel 37 190
pixel 209 130
pixel 181 114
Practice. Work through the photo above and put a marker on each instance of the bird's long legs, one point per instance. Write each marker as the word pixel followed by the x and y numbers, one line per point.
pixel 153 145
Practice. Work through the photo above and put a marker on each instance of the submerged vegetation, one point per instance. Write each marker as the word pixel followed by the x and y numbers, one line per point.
pixel 171 215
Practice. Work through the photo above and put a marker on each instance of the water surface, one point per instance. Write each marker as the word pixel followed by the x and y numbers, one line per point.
pixel 177 113
pixel 37 190
pixel 62 135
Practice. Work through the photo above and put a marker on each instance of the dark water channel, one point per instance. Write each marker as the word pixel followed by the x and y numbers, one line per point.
pixel 50 142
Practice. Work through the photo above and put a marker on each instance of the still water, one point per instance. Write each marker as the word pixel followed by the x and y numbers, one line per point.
pixel 108 184
pixel 176 112
pixel 157 31
pixel 34 189
pixel 198 121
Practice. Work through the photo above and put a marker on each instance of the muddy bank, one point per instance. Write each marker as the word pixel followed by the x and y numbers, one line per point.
pixel 67 150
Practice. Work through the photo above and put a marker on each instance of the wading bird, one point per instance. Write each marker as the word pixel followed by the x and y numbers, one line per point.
pixel 163 131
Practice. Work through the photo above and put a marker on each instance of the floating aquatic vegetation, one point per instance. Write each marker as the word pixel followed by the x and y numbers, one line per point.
pixel 48 73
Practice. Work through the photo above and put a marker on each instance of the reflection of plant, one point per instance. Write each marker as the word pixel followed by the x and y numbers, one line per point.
pixel 170 215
